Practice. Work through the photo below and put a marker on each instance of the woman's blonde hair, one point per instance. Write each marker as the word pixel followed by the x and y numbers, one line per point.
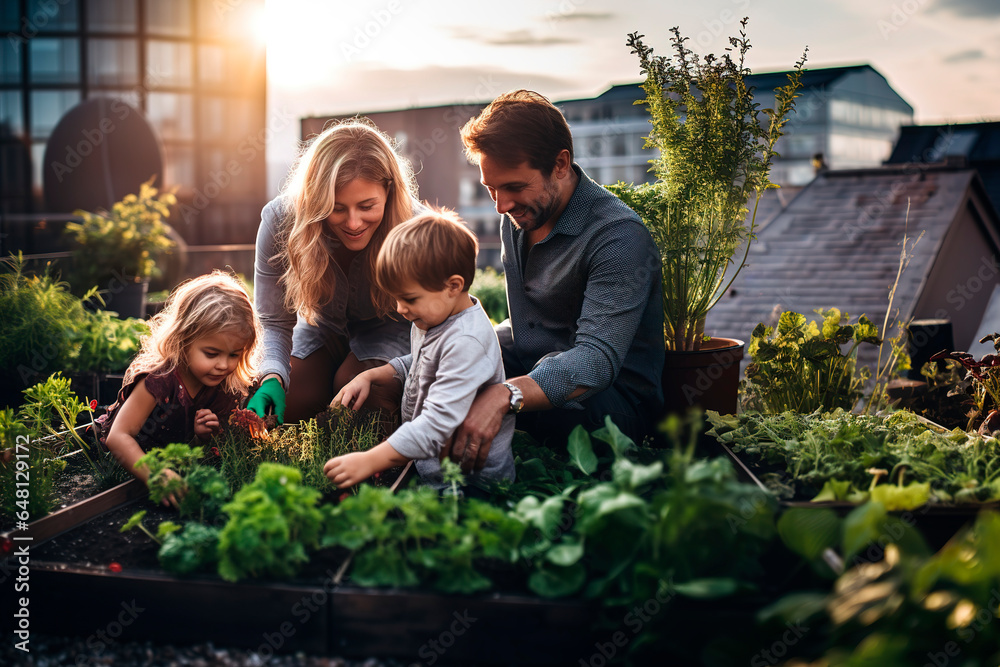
pixel 344 152
pixel 203 306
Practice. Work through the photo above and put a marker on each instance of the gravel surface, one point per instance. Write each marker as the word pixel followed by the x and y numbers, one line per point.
pixel 47 651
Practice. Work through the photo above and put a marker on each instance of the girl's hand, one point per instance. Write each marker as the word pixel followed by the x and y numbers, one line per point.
pixel 205 423
pixel 347 470
pixel 353 394
pixel 174 498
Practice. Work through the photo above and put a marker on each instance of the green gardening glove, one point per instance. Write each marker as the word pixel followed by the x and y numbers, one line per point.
pixel 271 394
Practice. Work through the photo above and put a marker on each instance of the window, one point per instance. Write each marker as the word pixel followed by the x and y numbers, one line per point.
pixel 47 107
pixel 169 64
pixel 113 62
pixel 172 115
pixel 54 60
pixel 111 16
pixel 169 17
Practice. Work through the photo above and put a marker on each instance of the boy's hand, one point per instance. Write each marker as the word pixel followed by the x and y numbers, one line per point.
pixel 205 423
pixel 349 469
pixel 354 393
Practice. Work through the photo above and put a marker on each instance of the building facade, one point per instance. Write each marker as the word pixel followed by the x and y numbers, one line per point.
pixel 192 68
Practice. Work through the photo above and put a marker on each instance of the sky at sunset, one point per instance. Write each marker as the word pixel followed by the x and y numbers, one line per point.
pixel 325 57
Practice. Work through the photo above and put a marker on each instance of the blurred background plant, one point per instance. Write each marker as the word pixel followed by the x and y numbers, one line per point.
pixel 490 288
pixel 122 244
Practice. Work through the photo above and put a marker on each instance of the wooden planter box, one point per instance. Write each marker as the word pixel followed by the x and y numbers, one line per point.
pixel 938 523
pixel 271 617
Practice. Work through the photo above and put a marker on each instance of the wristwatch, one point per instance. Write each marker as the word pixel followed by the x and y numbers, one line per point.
pixel 516 398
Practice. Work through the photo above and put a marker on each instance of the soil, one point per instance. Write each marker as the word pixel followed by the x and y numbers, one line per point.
pixel 48 651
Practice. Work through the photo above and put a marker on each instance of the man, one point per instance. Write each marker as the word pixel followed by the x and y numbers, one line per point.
pixel 585 333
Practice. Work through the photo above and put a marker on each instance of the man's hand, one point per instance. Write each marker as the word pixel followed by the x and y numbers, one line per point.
pixel 205 423
pixel 347 470
pixel 471 443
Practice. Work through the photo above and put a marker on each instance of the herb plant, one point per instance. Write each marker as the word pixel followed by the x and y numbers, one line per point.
pixel 715 149
pixel 125 242
pixel 273 521
pixel 803 367
pixel 200 489
pixel 840 456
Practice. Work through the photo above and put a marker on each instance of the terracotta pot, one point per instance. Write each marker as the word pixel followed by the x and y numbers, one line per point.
pixel 708 378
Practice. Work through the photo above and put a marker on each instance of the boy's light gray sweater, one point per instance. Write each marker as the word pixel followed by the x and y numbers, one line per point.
pixel 447 366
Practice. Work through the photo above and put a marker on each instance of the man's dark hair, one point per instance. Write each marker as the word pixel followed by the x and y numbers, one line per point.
pixel 518 126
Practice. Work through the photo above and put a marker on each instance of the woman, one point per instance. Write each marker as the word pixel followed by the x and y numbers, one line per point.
pixel 316 250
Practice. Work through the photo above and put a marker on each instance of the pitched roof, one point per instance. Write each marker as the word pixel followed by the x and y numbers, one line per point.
pixel 837 244
pixel 977 143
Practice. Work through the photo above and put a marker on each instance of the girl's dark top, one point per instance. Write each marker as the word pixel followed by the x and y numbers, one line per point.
pixel 172 419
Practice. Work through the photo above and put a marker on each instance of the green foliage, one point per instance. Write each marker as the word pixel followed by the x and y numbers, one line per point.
pixel 201 490
pixel 803 367
pixel 715 150
pixel 489 287
pixel 273 521
pixel 841 456
pixel 193 548
pixel 982 380
pixel 40 319
pixel 910 607
pixel 307 446
pixel 39 470
pixel 104 343
pixel 46 328
pixel 124 243
pixel 418 537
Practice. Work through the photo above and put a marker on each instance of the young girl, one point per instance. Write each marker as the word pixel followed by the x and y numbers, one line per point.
pixel 192 371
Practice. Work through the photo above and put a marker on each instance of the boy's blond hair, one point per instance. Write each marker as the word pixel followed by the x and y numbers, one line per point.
pixel 427 249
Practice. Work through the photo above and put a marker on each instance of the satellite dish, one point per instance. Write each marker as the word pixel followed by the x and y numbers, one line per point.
pixel 101 150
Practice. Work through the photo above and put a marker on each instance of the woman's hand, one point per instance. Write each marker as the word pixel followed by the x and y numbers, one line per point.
pixel 347 470
pixel 271 394
pixel 206 424
pixel 354 393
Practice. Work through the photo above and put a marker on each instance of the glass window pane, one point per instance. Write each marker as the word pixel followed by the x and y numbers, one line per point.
pixel 55 60
pixel 178 166
pixel 10 62
pixel 113 62
pixel 37 159
pixel 169 64
pixel 11 113
pixel 228 18
pixel 171 115
pixel 52 15
pixel 15 169
pixel 112 16
pixel 47 107
pixel 227 121
pixel 169 17
pixel 10 18
pixel 129 97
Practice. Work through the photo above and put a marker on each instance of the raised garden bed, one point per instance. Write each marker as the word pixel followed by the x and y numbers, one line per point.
pixel 79 561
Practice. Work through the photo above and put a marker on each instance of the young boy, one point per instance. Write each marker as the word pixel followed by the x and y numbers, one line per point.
pixel 427 264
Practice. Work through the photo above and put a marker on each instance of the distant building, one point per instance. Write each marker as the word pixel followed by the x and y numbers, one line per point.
pixel 846 117
pixel 190 67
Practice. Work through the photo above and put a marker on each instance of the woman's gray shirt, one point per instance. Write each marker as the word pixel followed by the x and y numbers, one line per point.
pixel 350 314
pixel 447 366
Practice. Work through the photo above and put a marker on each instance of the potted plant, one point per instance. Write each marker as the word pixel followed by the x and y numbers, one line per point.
pixel 117 251
pixel 715 148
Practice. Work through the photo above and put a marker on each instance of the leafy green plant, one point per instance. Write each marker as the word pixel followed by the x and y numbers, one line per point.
pixel 273 522
pixel 104 343
pixel 803 367
pixel 124 243
pixel 39 470
pixel 911 607
pixel 715 150
pixel 490 288
pixel 418 537
pixel 841 456
pixel 201 490
pixel 39 318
